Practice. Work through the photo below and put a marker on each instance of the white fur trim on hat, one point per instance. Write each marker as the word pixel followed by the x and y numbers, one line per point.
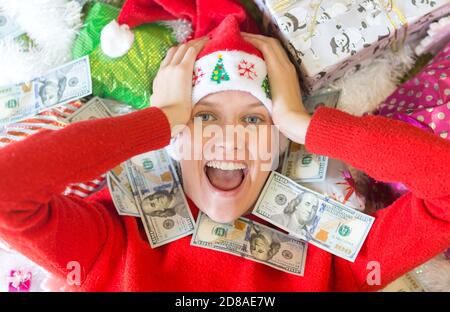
pixel 242 72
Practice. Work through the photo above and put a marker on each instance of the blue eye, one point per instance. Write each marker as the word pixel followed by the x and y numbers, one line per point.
pixel 205 117
pixel 252 119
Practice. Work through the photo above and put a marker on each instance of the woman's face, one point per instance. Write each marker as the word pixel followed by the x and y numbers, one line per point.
pixel 230 160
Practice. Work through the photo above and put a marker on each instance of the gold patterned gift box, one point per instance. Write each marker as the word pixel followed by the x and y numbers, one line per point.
pixel 328 38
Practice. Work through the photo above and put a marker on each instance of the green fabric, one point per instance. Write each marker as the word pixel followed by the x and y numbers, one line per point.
pixel 127 79
pixel 87 4
pixel 98 16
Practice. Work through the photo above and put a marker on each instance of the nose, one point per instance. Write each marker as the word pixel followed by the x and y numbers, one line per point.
pixel 234 138
pixel 228 143
pixel 232 142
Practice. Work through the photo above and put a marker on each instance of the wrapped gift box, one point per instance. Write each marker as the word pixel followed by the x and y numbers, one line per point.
pixel 327 38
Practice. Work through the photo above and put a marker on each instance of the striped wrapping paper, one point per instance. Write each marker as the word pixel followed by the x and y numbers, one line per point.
pixel 52 120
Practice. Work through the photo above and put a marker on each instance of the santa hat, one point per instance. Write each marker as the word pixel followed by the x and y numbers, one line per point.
pixel 227 62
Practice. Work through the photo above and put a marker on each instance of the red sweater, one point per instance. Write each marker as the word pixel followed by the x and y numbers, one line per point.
pixel 113 251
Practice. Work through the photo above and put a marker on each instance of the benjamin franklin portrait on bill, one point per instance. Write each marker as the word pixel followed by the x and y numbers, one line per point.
pixel 299 213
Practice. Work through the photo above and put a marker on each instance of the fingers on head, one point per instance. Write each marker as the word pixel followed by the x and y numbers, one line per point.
pixel 262 43
pixel 271 48
pixel 189 56
pixel 185 52
pixel 179 54
pixel 169 56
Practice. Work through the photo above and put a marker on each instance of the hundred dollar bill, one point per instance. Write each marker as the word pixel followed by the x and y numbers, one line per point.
pixel 253 241
pixel 124 202
pixel 405 283
pixel 161 202
pixel 327 97
pixel 94 109
pixel 8 27
pixel 302 166
pixel 313 217
pixel 67 83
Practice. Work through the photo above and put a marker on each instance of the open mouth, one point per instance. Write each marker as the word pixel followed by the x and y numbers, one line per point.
pixel 225 175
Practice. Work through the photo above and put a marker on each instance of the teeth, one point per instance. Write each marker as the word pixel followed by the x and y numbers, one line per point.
pixel 224 165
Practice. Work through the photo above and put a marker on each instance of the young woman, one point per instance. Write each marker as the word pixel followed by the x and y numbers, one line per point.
pixel 54 230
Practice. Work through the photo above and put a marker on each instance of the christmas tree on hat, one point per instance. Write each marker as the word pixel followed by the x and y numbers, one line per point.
pixel 220 74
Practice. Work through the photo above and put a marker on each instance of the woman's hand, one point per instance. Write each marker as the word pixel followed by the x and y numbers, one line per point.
pixel 172 86
pixel 288 112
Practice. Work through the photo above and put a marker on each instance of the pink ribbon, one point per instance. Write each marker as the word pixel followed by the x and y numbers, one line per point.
pixel 19 280
pixel 412 121
pixel 350 185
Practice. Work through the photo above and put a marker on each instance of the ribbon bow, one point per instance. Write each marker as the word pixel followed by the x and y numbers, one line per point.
pixel 350 185
pixel 20 279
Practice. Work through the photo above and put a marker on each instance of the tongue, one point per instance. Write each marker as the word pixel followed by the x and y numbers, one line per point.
pixel 224 180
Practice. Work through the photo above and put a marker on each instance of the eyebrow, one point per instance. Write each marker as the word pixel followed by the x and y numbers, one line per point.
pixel 254 104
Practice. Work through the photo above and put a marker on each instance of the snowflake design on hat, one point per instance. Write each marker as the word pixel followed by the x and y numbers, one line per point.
pixel 197 76
pixel 219 74
pixel 247 70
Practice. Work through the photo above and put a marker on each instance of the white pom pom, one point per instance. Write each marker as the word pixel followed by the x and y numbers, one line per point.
pixel 116 39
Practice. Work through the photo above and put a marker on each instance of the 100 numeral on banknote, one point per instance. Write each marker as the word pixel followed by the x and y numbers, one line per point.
pixel 313 217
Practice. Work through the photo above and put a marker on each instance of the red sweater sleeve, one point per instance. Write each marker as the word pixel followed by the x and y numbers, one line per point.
pixel 39 222
pixel 415 227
